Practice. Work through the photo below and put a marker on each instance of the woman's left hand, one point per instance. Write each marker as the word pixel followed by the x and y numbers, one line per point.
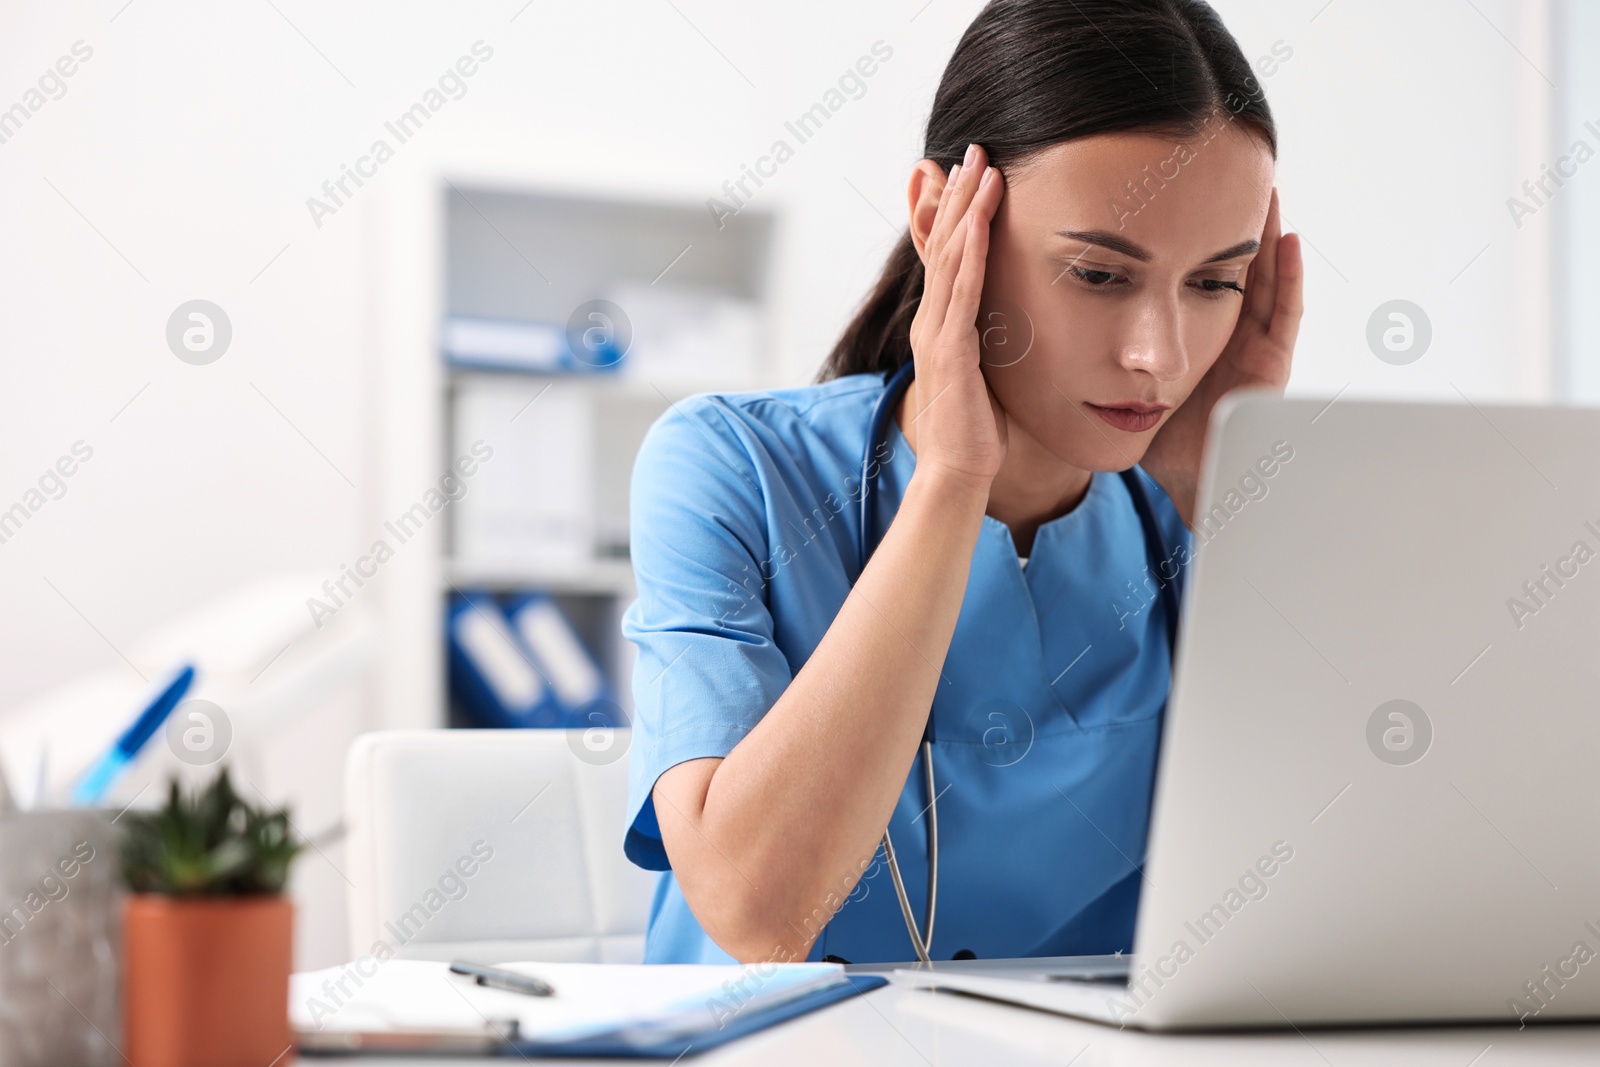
pixel 1258 354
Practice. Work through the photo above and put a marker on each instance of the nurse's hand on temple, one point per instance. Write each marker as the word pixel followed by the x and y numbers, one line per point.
pixel 959 428
pixel 1258 354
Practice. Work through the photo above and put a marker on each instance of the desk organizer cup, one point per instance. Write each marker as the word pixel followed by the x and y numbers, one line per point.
pixel 60 937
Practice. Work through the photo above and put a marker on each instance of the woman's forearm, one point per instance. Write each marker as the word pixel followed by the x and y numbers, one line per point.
pixel 767 842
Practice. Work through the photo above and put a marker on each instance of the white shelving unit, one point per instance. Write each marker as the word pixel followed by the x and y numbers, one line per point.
pixel 492 236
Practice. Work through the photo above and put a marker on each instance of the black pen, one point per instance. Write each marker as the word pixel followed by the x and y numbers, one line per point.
pixel 500 978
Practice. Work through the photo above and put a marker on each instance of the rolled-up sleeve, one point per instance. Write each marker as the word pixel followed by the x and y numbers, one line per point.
pixel 707 668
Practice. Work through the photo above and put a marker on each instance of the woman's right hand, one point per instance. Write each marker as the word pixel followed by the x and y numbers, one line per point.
pixel 956 426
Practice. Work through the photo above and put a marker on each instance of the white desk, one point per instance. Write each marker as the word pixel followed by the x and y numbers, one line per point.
pixel 898 1026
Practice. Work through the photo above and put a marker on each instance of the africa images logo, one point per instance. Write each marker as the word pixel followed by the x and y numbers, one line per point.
pixel 1399 732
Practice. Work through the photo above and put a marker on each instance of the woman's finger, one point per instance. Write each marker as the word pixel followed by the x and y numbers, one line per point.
pixel 939 278
pixel 965 187
pixel 991 189
pixel 1291 303
pixel 931 246
pixel 1262 286
pixel 935 280
pixel 967 291
pixel 942 210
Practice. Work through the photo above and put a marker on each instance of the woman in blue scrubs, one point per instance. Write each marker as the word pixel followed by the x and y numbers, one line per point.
pixel 1093 258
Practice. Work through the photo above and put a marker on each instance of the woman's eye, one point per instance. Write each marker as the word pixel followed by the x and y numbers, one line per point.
pixel 1216 287
pixel 1095 279
pixel 1212 288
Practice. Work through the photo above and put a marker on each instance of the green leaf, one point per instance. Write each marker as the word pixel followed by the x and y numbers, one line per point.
pixel 208 843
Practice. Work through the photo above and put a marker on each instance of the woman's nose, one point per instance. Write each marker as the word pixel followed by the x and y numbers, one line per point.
pixel 1154 341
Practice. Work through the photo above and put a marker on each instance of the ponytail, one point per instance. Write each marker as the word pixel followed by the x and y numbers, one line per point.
pixel 878 339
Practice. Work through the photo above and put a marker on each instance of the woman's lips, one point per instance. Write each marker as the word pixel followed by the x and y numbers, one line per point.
pixel 1128 419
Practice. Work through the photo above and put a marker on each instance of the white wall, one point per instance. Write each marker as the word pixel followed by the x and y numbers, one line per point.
pixel 1577 205
pixel 178 163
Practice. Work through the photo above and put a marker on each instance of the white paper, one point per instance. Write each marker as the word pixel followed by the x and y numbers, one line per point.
pixel 590 998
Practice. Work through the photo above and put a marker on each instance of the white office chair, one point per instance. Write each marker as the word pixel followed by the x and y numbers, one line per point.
pixel 492 845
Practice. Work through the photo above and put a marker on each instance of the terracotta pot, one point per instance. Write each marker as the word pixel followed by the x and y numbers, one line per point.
pixel 206 980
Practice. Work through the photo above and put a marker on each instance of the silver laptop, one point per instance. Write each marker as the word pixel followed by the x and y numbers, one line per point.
pixel 1378 797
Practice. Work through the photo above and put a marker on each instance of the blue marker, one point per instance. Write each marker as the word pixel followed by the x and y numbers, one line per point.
pixel 92 787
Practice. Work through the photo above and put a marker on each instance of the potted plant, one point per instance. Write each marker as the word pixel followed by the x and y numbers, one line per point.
pixel 207 931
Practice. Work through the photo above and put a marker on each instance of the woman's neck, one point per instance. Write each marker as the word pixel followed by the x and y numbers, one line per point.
pixel 1032 487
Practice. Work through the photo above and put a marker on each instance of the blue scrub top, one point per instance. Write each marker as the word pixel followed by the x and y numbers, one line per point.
pixel 745 515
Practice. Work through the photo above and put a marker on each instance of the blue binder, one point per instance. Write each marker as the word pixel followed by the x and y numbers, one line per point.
pixel 491 673
pixel 580 685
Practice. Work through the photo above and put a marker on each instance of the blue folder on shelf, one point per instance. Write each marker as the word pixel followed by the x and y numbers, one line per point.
pixel 491 674
pixel 580 685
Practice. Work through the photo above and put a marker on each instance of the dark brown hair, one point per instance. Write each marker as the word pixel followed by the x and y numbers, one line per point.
pixel 1029 74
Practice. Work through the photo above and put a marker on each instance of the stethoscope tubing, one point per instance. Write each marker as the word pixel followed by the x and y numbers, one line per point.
pixel 1155 546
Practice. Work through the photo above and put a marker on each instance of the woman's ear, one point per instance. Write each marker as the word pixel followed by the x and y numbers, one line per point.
pixel 927 186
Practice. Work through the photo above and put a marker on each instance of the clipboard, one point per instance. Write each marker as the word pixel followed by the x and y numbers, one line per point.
pixel 642 1036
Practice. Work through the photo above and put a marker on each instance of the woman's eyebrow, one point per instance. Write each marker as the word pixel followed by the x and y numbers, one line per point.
pixel 1106 239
